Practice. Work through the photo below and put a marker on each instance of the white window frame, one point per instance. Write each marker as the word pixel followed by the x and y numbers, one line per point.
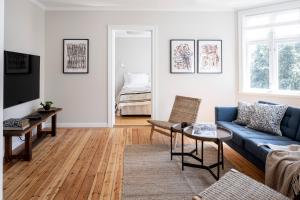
pixel 244 78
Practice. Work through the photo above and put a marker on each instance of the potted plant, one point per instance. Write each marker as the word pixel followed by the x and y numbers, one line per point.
pixel 46 105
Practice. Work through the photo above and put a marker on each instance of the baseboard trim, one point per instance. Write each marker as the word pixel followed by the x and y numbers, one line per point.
pixel 79 125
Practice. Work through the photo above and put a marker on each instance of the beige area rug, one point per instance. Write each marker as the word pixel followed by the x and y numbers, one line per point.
pixel 150 174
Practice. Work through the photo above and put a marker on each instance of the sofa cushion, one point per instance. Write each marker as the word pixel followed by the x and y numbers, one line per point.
pixel 241 133
pixel 244 113
pixel 290 123
pixel 267 118
pixel 261 152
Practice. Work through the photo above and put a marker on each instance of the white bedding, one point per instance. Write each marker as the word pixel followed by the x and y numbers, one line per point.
pixel 134 100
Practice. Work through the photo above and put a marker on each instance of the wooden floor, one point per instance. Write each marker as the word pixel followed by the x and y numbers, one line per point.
pixel 132 120
pixel 85 163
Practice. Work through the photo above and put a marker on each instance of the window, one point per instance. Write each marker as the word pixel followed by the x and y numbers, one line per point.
pixel 270 52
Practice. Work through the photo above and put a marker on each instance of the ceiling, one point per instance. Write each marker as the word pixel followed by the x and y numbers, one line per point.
pixel 153 5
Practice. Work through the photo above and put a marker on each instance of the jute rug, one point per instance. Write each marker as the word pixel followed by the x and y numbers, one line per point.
pixel 150 174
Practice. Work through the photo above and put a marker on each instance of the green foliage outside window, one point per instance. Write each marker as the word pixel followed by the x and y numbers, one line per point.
pixel 260 67
pixel 289 66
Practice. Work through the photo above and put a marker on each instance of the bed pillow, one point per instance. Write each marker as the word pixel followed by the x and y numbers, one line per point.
pixel 245 111
pixel 136 79
pixel 267 118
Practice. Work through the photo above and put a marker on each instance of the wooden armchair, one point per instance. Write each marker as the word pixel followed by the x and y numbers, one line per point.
pixel 185 109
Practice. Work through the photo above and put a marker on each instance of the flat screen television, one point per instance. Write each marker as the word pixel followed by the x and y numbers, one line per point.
pixel 21 78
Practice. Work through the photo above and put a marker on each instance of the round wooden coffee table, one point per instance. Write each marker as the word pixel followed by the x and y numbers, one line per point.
pixel 219 137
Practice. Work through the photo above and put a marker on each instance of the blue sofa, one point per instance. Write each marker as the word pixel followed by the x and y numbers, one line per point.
pixel 246 140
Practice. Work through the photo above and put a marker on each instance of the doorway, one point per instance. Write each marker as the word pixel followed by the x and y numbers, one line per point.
pixel 131 75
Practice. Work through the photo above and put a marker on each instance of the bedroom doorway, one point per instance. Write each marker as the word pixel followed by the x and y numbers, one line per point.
pixel 131 67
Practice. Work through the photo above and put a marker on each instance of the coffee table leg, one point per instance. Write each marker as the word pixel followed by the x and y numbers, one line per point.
pixel 222 153
pixel 196 141
pixel 171 144
pixel 182 151
pixel 218 166
pixel 202 143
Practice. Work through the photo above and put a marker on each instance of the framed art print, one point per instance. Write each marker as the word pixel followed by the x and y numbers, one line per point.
pixel 76 56
pixel 209 56
pixel 182 56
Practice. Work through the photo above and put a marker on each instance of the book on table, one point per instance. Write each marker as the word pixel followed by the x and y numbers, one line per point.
pixel 205 130
pixel 15 124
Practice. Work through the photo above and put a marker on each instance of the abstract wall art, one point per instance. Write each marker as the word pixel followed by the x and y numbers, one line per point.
pixel 76 56
pixel 182 56
pixel 209 56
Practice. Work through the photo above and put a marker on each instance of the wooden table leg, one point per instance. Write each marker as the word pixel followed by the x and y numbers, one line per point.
pixel 28 146
pixel 182 151
pixel 53 125
pixel 8 148
pixel 39 131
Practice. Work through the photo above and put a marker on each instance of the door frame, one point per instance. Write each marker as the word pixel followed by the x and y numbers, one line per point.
pixel 112 29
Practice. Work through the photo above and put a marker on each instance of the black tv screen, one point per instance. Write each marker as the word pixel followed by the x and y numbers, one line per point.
pixel 21 78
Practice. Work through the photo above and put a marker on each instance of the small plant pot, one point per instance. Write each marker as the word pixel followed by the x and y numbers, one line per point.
pixel 47 107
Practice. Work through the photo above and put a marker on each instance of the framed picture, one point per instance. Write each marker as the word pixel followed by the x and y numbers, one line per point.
pixel 182 56
pixel 76 56
pixel 209 56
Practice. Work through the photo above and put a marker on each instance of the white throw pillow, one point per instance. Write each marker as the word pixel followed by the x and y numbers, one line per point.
pixel 136 79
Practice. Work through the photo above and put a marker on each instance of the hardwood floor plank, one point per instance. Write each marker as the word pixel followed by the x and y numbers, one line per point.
pixel 87 163
pixel 69 188
pixel 51 189
pixel 99 179
pixel 92 171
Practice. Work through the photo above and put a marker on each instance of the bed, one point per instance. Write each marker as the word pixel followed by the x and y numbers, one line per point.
pixel 135 96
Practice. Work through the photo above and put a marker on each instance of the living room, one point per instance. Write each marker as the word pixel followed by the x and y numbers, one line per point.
pixel 211 62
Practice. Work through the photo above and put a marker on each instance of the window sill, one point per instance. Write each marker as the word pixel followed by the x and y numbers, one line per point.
pixel 270 94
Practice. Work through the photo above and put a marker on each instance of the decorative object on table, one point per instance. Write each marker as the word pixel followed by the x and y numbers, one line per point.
pixel 209 56
pixel 46 105
pixel 34 116
pixel 182 56
pixel 205 129
pixel 76 56
pixel 15 124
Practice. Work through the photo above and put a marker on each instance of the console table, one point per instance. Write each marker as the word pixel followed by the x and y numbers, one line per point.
pixel 27 153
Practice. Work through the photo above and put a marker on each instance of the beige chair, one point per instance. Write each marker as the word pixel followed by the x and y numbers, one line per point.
pixel 185 109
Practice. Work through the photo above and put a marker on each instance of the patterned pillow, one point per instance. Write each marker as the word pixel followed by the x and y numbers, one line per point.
pixel 245 111
pixel 267 117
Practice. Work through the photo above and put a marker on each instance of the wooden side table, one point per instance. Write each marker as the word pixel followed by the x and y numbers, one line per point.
pixel 27 154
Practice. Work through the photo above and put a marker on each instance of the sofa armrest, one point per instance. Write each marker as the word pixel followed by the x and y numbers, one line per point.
pixel 227 114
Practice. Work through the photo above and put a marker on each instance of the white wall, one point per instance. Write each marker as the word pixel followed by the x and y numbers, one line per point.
pixel 84 97
pixel 135 55
pixel 25 33
pixel 1 92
